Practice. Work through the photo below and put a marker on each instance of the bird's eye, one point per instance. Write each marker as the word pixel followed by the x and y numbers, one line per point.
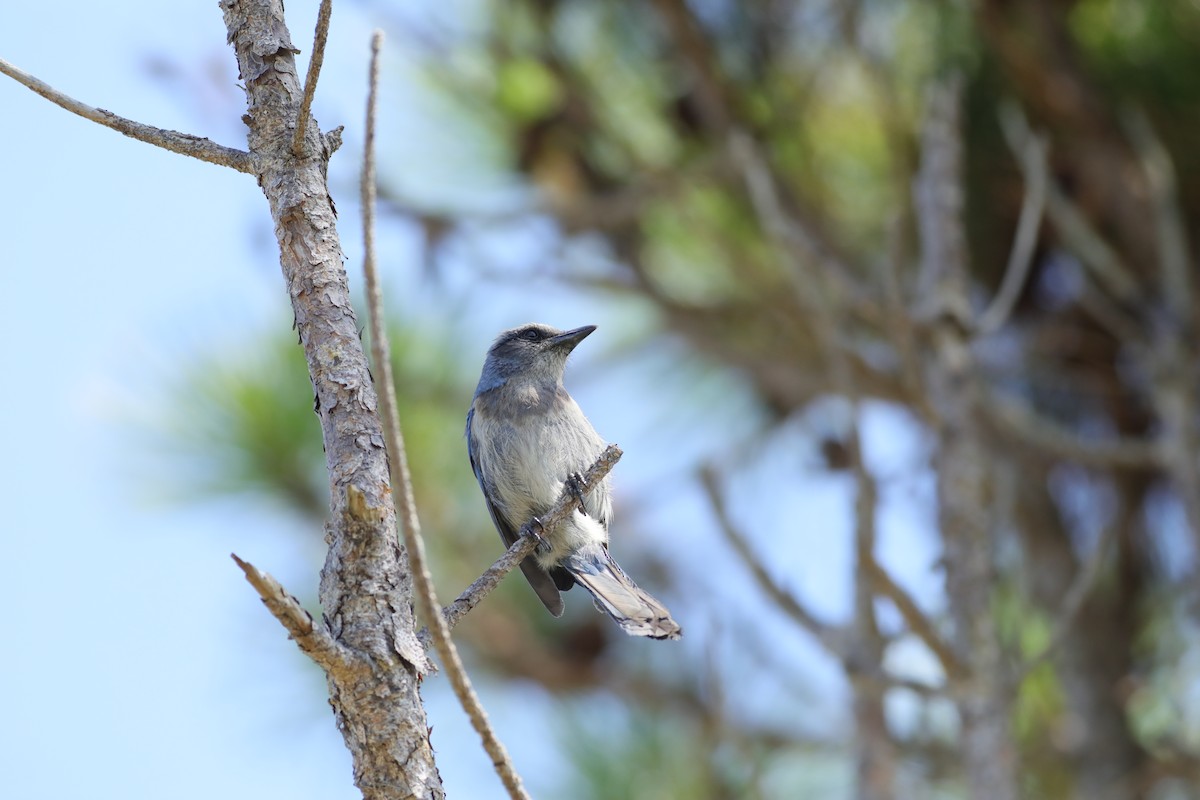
pixel 532 334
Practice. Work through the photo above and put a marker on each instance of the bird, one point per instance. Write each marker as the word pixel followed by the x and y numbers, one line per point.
pixel 527 439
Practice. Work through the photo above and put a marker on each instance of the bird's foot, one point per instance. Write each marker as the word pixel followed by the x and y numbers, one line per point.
pixel 574 484
pixel 534 528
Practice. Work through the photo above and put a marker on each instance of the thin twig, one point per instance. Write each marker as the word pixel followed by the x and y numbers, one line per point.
pixel 1020 259
pixel 917 620
pixel 1105 263
pixel 1172 354
pixel 1174 261
pixel 1072 603
pixel 833 638
pixel 875 751
pixel 1015 418
pixel 792 236
pixel 1108 314
pixel 311 638
pixel 183 143
pixel 525 545
pixel 900 319
pixel 401 479
pixel 485 583
pixel 320 35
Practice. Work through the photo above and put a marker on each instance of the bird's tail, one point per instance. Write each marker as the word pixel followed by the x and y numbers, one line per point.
pixel 634 609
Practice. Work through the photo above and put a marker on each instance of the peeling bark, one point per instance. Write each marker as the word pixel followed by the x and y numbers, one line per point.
pixel 365 588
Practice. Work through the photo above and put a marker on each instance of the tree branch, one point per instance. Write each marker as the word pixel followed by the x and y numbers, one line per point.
pixel 916 619
pixel 401 478
pixel 875 753
pixel 1072 603
pixel 526 544
pixel 833 638
pixel 963 475
pixel 1015 419
pixel 311 638
pixel 366 589
pixel 1105 263
pixel 1172 356
pixel 1020 259
pixel 793 237
pixel 320 35
pixel 183 143
pixel 901 325
pixel 485 583
pixel 1174 260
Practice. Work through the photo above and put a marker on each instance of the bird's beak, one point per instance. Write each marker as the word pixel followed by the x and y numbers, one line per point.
pixel 568 339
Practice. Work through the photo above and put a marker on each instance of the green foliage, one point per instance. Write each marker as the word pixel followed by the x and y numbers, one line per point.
pixel 526 89
pixel 1039 701
pixel 1164 706
pixel 647 755
pixel 244 423
pixel 1144 48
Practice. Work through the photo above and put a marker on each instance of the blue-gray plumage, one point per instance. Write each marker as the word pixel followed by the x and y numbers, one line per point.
pixel 526 437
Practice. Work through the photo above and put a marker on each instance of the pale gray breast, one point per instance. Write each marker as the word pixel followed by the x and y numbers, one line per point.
pixel 528 454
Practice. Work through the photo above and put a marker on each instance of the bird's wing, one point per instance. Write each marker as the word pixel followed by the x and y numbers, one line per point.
pixel 541 581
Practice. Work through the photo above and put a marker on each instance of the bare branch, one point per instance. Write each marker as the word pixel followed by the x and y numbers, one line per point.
pixel 485 583
pixel 311 638
pixel 1105 263
pixel 875 751
pixel 366 588
pixel 310 80
pixel 918 622
pixel 964 481
pixel 401 479
pixel 1084 582
pixel 1037 431
pixel 1020 258
pixel 1174 262
pixel 833 638
pixel 829 271
pixel 900 321
pixel 526 544
pixel 822 285
pixel 1174 397
pixel 1172 355
pixel 1108 314
pixel 183 143
pixel 333 139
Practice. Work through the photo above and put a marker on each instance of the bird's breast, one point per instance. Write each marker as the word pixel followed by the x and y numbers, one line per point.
pixel 529 442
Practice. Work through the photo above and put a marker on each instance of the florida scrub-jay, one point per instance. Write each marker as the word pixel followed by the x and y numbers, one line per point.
pixel 526 437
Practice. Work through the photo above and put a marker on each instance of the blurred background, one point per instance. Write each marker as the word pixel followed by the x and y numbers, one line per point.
pixel 726 190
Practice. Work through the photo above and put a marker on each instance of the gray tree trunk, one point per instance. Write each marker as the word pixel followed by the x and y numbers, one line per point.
pixel 366 590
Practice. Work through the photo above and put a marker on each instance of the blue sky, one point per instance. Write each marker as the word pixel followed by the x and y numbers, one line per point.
pixel 140 663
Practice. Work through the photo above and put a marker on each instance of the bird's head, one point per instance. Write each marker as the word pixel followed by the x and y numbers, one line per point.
pixel 532 353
